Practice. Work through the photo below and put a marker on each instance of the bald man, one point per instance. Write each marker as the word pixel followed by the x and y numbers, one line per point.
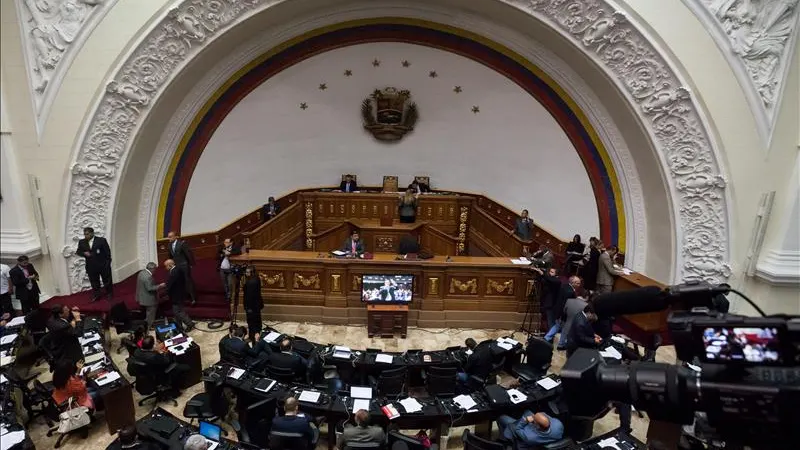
pixel 176 289
pixel 293 421
pixel 361 432
pixel 531 429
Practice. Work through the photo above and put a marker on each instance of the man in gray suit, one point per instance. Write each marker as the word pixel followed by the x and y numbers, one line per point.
pixel 606 270
pixel 572 307
pixel 180 252
pixel 361 432
pixel 147 293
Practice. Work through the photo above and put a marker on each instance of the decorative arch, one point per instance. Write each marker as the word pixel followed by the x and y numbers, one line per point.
pixel 544 89
pixel 618 47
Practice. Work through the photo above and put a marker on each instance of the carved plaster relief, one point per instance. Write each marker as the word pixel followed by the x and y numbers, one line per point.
pixel 52 34
pixel 608 37
pixel 758 38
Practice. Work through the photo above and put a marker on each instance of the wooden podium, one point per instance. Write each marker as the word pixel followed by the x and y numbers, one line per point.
pixel 387 320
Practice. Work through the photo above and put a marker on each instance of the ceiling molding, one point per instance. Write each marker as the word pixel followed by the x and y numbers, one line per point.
pixel 758 39
pixel 52 34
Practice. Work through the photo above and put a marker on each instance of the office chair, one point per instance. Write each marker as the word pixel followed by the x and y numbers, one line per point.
pixel 35 401
pixel 280 374
pixel 363 446
pixel 209 406
pixel 561 444
pixel 400 441
pixel 441 381
pixel 36 323
pixel 279 440
pixel 123 321
pixel 258 421
pixel 390 383
pixel 152 381
pixel 538 356
pixel 472 442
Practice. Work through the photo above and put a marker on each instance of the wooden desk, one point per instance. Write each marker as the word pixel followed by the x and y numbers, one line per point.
pixel 463 292
pixel 387 320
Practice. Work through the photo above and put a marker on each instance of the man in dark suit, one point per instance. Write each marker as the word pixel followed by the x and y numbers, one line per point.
pixel 180 252
pixel 294 422
pixel 349 184
pixel 581 334
pixel 479 361
pixel 235 349
pixel 64 329
pixel 288 359
pixel 545 256
pixel 97 254
pixel 270 209
pixel 25 279
pixel 176 289
pixel 419 187
pixel 551 288
pixel 159 359
pixel 353 246
pixel 224 264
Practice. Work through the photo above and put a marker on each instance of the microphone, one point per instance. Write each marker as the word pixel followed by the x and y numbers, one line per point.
pixel 698 287
pixel 635 301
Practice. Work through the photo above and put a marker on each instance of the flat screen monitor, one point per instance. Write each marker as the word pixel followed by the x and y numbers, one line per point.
pixel 210 431
pixel 386 288
pixel 746 345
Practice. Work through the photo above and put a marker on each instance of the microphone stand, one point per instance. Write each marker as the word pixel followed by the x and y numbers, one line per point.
pixel 237 287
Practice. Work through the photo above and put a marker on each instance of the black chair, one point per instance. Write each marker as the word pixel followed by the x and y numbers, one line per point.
pixel 561 444
pixel 153 382
pixel 538 356
pixel 280 374
pixel 392 382
pixel 123 321
pixel 47 346
pixel 209 406
pixel 36 323
pixel 441 381
pixel 258 421
pixel 364 446
pixel 279 440
pixel 400 441
pixel 472 442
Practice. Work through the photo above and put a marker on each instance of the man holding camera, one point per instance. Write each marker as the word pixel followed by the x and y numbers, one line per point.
pixel 227 250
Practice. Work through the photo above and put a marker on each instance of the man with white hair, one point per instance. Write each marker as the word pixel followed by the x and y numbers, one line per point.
pixel 196 442
pixel 147 293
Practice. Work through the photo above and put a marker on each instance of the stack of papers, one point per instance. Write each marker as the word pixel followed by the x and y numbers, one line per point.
pixel 94 357
pixel 609 443
pixel 504 345
pixel 339 253
pixel 521 261
pixel 619 339
pixel 110 377
pixel 360 403
pixel 3 379
pixel 235 373
pixel 507 340
pixel 12 438
pixel 309 396
pixel 516 396
pixel 341 352
pixel 361 392
pixel 5 360
pixel 611 352
pixel 464 401
pixel 272 336
pixel 411 405
pixel 92 367
pixel 90 338
pixel 8 339
pixel 16 322
pixel 548 383
pixel 626 271
pixel 384 358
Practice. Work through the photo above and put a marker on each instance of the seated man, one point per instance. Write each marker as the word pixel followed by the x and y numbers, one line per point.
pixel 361 432
pixel 419 187
pixel 128 440
pixel 581 333
pixel 159 359
pixel 353 246
pixel 235 348
pixel 64 330
pixel 196 442
pixel 349 184
pixel 294 422
pixel 479 361
pixel 288 359
pixel 531 429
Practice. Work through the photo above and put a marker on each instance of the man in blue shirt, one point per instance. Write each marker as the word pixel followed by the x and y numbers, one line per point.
pixel 531 429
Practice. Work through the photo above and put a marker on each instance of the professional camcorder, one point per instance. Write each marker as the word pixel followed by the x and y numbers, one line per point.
pixel 740 374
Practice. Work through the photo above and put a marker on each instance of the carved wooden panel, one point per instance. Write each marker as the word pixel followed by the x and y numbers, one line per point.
pixel 355 285
pixel 272 280
pixel 385 244
pixel 306 281
pixel 463 286
pixel 500 286
pixel 336 285
pixel 433 286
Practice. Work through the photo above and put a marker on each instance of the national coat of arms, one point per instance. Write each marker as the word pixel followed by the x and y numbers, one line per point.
pixel 389 113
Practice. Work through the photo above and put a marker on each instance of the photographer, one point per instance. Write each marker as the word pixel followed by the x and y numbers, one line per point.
pixel 227 250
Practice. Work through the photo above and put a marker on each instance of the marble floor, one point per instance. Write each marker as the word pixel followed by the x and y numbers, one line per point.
pixel 352 336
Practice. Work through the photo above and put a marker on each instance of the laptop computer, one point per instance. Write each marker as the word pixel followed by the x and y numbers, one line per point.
pixel 211 432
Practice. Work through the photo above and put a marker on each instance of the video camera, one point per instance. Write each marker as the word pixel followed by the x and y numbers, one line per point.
pixel 742 373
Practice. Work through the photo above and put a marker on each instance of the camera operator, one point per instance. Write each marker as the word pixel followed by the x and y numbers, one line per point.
pixel 545 256
pixel 551 290
pixel 227 250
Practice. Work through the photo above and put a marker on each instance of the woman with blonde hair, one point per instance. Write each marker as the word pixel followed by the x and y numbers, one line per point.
pixel 407 206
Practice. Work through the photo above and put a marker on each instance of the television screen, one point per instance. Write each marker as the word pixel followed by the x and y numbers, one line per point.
pixel 746 345
pixel 386 288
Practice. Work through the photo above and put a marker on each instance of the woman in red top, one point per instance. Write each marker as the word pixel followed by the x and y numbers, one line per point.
pixel 68 384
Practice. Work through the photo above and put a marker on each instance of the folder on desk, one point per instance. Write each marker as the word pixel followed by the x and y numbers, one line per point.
pixel 264 385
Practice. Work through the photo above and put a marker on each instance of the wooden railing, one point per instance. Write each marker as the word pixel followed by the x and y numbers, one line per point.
pixel 506 218
pixel 332 238
pixel 206 245
pixel 437 242
pixel 281 232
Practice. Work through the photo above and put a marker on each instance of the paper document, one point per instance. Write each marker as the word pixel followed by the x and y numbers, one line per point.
pixel 339 253
pixel 360 392
pixel 608 443
pixel 611 352
pixel 11 439
pixel 235 373
pixel 520 261
pixel 341 352
pixel 272 336
pixel 516 396
pixel 508 340
pixel 548 383
pixel 110 377
pixel 464 401
pixel 94 358
pixel 85 340
pixel 384 358
pixel 260 387
pixel 5 360
pixel 360 403
pixel 467 352
pixel 626 271
pixel 619 339
pixel 309 396
pixel 411 405
pixel 8 339
pixel 3 379
pixel 170 342
pixel 16 322
pixel 504 345
pixel 211 445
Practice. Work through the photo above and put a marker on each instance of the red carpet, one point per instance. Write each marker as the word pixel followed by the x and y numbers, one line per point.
pixel 211 302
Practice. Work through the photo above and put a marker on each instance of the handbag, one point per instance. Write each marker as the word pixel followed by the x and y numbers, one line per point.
pixel 73 418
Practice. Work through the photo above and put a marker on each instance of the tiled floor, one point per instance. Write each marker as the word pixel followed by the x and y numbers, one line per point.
pixel 352 336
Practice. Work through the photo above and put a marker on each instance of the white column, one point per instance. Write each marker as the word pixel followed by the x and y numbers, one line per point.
pixel 779 264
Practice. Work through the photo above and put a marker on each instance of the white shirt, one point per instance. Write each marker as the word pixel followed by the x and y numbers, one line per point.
pixel 174 243
pixel 4 278
pixel 91 242
pixel 225 264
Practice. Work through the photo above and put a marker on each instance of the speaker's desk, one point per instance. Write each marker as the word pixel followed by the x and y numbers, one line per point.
pixel 462 283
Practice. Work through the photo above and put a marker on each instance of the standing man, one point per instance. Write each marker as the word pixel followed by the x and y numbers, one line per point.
pixel 181 254
pixel 227 250
pixel 26 284
pixel 97 254
pixel 147 293
pixel 5 291
pixel 606 270
pixel 523 226
pixel 176 289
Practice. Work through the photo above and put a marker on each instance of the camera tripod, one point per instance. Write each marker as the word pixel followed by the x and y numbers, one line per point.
pixel 532 319
pixel 237 288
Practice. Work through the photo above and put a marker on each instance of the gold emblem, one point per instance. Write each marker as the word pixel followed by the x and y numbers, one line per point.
pixel 389 114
